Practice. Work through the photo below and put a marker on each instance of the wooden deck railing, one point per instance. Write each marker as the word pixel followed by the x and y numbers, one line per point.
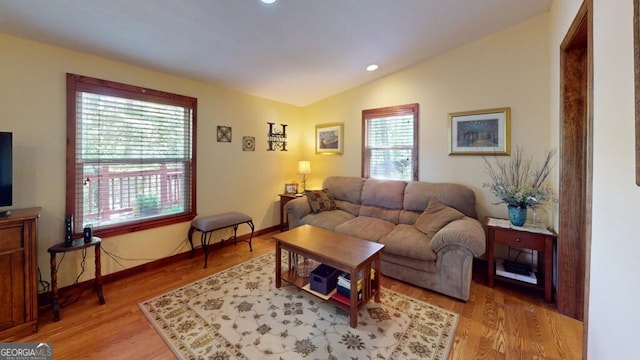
pixel 115 194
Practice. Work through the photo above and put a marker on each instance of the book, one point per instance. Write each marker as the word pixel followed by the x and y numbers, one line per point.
pixel 342 299
pixel 346 292
pixel 530 278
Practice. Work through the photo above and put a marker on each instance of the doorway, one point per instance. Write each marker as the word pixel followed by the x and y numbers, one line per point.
pixel 576 141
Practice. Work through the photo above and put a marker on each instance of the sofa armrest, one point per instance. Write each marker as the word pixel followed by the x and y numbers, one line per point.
pixel 296 209
pixel 466 232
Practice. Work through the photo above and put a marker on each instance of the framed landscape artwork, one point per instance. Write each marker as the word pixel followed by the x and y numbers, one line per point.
pixel 480 132
pixel 329 139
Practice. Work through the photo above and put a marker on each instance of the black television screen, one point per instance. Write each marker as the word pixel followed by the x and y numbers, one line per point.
pixel 6 169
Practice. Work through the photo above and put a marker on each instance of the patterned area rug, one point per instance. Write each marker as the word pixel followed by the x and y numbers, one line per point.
pixel 239 314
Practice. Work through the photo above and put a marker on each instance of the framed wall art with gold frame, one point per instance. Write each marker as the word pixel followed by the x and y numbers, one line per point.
pixel 480 132
pixel 329 139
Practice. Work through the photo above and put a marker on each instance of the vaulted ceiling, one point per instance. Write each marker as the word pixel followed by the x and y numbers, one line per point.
pixel 293 51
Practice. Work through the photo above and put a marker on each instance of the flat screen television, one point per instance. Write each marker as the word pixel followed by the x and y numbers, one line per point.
pixel 6 172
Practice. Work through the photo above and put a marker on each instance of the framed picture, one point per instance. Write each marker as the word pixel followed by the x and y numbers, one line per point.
pixel 224 133
pixel 290 188
pixel 329 139
pixel 480 132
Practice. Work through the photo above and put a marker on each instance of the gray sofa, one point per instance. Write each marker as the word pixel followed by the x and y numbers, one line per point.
pixel 429 230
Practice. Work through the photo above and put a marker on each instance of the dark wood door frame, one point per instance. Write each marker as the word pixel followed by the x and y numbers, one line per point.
pixel 576 142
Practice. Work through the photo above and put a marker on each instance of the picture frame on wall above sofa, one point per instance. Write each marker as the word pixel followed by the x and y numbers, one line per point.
pixel 329 139
pixel 480 132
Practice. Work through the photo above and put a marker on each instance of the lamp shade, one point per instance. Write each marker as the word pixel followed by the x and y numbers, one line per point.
pixel 304 167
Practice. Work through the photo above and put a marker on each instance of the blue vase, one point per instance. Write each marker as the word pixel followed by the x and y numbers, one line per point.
pixel 517 215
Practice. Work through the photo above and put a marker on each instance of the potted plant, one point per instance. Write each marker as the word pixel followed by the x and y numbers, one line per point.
pixel 148 204
pixel 519 185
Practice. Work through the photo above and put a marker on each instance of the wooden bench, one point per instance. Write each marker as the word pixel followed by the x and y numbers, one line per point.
pixel 208 224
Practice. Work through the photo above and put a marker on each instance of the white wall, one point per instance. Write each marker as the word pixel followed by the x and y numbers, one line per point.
pixel 32 99
pixel 613 288
pixel 508 68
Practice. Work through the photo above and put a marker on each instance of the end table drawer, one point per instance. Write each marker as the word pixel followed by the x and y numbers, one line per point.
pixel 519 239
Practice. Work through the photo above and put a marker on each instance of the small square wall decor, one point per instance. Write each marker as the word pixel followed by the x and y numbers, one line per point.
pixel 248 143
pixel 224 133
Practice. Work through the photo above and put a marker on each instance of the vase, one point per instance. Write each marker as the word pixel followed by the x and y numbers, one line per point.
pixel 517 215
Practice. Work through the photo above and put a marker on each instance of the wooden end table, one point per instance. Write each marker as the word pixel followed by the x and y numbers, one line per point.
pixel 500 231
pixel 349 254
pixel 284 199
pixel 60 247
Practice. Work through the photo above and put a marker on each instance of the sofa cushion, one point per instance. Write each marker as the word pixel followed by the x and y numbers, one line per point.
pixel 367 228
pixel 345 188
pixel 327 219
pixel 388 194
pixel 407 241
pixel 320 200
pixel 435 217
pixel 418 193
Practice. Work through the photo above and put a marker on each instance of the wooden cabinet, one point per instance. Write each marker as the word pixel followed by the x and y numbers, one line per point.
pixel 18 271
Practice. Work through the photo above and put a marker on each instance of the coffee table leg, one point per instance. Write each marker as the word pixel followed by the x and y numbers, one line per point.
pixel 353 307
pixel 377 279
pixel 278 265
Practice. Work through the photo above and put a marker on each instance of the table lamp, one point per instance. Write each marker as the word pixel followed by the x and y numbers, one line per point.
pixel 304 169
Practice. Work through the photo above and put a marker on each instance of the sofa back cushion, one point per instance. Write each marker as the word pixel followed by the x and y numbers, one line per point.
pixel 418 193
pixel 345 188
pixel 382 199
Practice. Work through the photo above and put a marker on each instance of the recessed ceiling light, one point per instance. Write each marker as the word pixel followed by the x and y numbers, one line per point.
pixel 268 2
pixel 372 67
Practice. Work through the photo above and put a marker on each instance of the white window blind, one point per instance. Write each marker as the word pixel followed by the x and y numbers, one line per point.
pixel 133 158
pixel 390 150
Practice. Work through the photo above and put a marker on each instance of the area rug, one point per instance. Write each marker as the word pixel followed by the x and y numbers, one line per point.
pixel 239 314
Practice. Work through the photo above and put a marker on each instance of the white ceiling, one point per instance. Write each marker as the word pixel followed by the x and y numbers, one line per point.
pixel 295 51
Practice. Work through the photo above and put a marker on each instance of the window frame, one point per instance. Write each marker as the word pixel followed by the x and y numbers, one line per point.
pixel 398 110
pixel 77 83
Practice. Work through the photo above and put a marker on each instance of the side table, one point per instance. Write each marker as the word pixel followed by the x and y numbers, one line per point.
pixel 60 247
pixel 500 231
pixel 284 199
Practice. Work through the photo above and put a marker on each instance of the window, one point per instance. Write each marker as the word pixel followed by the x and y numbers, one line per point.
pixel 130 156
pixel 390 143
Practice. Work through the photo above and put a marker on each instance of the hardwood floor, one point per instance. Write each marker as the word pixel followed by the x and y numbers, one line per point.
pixel 496 323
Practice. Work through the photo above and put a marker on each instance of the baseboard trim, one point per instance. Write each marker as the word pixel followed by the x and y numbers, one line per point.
pixel 44 299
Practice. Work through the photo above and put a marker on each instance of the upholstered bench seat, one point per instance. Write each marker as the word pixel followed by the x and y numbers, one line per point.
pixel 208 224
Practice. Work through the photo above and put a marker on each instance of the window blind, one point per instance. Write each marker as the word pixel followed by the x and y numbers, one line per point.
pixel 133 158
pixel 390 146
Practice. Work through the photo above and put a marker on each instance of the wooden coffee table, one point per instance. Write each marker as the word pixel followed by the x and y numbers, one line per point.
pixel 349 254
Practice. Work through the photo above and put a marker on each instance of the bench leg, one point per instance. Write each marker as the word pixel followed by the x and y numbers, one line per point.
pixel 235 231
pixel 205 245
pixel 250 223
pixel 191 230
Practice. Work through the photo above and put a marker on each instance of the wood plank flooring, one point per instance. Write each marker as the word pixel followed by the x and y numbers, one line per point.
pixel 504 322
